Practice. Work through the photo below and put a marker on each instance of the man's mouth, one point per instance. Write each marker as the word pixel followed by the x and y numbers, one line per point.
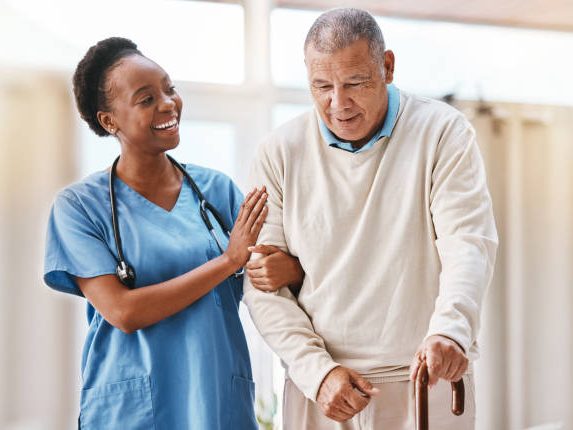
pixel 346 119
pixel 169 125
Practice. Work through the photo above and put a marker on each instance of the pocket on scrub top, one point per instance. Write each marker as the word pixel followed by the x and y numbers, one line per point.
pixel 124 405
pixel 243 404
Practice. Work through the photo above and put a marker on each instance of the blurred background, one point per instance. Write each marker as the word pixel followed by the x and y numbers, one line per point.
pixel 238 66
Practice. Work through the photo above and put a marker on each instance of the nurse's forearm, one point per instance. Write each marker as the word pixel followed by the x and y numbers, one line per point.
pixel 131 310
pixel 154 303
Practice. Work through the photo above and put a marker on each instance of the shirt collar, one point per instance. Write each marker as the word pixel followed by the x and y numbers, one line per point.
pixel 384 131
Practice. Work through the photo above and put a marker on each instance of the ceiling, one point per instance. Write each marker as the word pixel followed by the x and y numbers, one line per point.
pixel 539 14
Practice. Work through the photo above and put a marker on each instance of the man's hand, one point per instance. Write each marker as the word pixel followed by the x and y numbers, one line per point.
pixel 445 359
pixel 343 393
pixel 275 269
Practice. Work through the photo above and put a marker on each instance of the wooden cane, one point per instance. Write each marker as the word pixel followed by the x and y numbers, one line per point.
pixel 421 383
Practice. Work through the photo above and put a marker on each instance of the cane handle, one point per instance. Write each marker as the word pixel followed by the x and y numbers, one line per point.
pixel 421 384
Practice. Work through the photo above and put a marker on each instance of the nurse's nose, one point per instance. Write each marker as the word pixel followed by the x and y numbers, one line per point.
pixel 166 103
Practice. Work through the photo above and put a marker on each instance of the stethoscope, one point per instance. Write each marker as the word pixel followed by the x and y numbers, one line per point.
pixel 125 273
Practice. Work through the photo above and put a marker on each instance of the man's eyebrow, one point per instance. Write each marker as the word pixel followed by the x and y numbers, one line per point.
pixel 360 77
pixel 357 77
pixel 320 81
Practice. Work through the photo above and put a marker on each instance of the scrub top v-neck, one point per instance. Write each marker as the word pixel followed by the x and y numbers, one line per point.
pixel 188 371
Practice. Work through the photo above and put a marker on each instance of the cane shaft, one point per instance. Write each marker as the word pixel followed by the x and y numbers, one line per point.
pixel 422 397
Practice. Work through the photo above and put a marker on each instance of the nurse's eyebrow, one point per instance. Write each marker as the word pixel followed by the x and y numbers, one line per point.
pixel 164 80
pixel 140 90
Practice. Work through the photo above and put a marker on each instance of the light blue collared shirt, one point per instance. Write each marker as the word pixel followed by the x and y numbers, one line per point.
pixel 385 130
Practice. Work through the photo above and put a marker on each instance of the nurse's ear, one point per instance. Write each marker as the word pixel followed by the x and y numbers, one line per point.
pixel 105 119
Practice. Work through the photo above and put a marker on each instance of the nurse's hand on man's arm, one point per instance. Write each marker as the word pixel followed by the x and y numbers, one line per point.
pixel 275 269
pixel 133 309
pixel 247 226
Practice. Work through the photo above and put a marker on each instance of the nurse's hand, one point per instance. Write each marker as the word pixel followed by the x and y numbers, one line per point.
pixel 247 227
pixel 275 269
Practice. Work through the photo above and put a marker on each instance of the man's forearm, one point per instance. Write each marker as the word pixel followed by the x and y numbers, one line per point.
pixel 288 331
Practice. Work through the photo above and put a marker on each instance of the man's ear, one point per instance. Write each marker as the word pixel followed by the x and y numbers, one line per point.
pixel 388 66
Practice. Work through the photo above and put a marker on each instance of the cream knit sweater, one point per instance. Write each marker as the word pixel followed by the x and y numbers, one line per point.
pixel 397 243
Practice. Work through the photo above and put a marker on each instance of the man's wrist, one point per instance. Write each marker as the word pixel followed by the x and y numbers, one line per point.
pixel 450 339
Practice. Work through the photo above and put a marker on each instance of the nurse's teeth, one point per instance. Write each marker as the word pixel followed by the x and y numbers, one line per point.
pixel 165 125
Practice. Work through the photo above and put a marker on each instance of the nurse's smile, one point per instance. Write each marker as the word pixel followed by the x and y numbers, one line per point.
pixel 167 128
pixel 169 125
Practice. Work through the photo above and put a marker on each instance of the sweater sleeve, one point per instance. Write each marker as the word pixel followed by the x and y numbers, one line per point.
pixel 466 238
pixel 283 324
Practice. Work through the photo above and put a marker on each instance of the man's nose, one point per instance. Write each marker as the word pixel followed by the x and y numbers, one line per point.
pixel 340 99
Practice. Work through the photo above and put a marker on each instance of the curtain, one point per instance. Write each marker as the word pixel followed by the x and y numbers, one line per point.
pixel 524 376
pixel 38 367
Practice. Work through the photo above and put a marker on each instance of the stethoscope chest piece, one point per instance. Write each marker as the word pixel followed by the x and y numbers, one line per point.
pixel 125 274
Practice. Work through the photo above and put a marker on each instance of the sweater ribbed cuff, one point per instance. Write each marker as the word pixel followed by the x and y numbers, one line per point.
pixel 452 333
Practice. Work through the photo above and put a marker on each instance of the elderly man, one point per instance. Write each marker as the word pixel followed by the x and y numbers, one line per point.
pixel 382 196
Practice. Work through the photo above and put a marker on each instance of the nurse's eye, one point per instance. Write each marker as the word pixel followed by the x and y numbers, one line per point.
pixel 171 90
pixel 146 101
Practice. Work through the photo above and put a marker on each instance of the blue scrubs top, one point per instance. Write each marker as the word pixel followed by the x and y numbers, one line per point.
pixel 189 371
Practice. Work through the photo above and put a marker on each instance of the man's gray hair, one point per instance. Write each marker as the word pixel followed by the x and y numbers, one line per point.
pixel 338 28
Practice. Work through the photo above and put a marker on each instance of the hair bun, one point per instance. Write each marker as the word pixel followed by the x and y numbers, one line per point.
pixel 89 78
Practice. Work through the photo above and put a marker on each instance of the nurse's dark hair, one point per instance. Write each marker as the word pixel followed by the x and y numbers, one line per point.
pixel 91 89
pixel 337 28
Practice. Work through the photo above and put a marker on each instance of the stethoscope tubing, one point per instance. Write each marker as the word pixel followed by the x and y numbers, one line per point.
pixel 204 208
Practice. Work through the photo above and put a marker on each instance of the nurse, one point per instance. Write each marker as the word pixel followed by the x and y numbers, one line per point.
pixel 165 348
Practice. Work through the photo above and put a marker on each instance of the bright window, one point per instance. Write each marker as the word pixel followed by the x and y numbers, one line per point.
pixel 206 143
pixel 284 112
pixel 435 58
pixel 182 36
